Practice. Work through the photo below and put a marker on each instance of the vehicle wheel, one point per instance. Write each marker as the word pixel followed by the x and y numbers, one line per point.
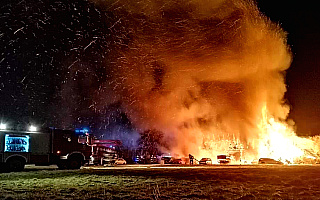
pixel 74 163
pixel 15 164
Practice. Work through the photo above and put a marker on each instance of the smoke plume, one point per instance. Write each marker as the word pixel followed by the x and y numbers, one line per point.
pixel 196 70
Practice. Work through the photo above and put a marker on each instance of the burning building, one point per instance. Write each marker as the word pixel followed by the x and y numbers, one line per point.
pixel 206 73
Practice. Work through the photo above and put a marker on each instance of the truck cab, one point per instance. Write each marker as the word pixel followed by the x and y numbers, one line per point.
pixel 68 152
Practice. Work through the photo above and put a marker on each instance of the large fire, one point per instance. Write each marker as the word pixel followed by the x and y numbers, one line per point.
pixel 210 75
pixel 277 140
pixel 280 142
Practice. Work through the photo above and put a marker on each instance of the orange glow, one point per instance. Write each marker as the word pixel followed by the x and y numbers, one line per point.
pixel 277 140
pixel 212 80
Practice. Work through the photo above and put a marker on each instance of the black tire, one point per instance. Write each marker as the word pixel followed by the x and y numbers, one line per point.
pixel 74 163
pixel 15 164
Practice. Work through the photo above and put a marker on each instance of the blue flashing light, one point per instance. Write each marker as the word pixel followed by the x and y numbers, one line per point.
pixel 85 130
pixel 82 131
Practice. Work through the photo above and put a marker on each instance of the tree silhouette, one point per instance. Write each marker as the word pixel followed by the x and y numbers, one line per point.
pixel 149 143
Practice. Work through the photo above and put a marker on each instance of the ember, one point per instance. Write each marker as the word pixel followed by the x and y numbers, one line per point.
pixel 210 75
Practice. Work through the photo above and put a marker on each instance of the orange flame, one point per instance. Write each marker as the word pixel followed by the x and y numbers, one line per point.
pixel 277 140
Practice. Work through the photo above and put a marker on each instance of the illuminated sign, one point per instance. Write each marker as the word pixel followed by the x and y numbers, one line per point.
pixel 16 143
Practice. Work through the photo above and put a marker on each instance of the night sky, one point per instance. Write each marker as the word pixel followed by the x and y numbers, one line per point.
pixel 53 55
pixel 52 62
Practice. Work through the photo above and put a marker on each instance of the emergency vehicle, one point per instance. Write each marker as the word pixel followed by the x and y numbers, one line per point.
pixel 46 147
pixel 66 148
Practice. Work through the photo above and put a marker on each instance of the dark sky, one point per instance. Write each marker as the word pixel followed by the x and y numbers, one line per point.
pixel 52 55
pixel 42 40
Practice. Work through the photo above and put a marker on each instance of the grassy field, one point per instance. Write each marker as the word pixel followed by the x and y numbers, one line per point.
pixel 233 182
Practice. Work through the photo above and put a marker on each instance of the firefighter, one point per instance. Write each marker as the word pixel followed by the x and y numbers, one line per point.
pixel 191 157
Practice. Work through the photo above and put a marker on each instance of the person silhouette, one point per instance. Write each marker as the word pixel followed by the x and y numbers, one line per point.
pixel 191 157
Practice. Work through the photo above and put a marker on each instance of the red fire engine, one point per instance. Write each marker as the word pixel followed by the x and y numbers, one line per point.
pixel 65 148
pixel 103 151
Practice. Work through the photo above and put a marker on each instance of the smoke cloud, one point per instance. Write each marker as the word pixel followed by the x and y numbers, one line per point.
pixel 198 71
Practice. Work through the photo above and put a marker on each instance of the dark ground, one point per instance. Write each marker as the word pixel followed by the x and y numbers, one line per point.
pixel 214 182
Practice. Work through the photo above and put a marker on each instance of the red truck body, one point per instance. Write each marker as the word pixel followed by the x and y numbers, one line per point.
pixel 64 148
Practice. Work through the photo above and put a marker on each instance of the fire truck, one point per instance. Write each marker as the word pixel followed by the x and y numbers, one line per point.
pixel 65 148
pixel 103 152
pixel 50 146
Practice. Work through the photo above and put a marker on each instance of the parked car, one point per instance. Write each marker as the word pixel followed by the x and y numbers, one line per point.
pixel 205 161
pixel 166 159
pixel 120 161
pixel 223 159
pixel 175 161
pixel 255 162
pixel 269 161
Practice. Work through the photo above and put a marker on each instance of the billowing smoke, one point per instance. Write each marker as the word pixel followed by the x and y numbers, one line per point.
pixel 196 70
